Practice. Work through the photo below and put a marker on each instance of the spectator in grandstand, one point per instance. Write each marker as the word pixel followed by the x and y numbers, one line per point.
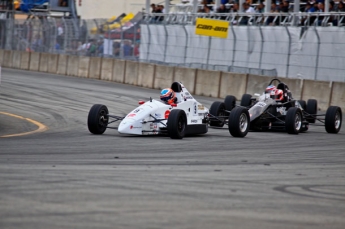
pixel 204 9
pixel 222 9
pixel 80 49
pixel 248 9
pixel 63 3
pixel 100 48
pixel 117 49
pixel 309 8
pixel 274 9
pixel 285 6
pixel 136 50
pixel 153 7
pixel 60 38
pixel 127 48
pixel 37 43
pixel 234 8
pixel 341 7
pixel 224 2
pixel 260 8
pixel 91 51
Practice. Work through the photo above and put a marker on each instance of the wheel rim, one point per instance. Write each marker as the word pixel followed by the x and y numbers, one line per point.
pixel 103 121
pixel 337 120
pixel 181 125
pixel 298 121
pixel 243 122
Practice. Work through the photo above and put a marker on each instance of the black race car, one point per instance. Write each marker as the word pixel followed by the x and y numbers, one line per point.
pixel 275 109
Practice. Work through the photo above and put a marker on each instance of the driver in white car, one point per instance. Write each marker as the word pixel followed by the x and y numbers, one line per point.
pixel 168 96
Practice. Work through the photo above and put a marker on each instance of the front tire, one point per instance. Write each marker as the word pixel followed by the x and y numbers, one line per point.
pixel 333 119
pixel 239 122
pixel 177 123
pixel 97 120
pixel 217 109
pixel 312 110
pixel 293 120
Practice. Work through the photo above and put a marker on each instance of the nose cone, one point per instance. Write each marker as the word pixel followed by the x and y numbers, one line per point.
pixel 130 126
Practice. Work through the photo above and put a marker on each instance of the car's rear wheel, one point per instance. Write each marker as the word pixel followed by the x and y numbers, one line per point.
pixel 311 110
pixel 293 120
pixel 303 104
pixel 333 119
pixel 217 109
pixel 239 122
pixel 97 120
pixel 246 100
pixel 177 123
pixel 230 102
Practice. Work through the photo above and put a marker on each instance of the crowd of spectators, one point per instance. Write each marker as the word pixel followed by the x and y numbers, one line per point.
pixel 280 6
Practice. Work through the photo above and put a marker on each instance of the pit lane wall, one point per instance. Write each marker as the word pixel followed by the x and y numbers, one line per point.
pixel 215 84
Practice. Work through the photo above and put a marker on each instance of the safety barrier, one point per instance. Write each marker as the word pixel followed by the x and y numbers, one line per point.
pixel 211 83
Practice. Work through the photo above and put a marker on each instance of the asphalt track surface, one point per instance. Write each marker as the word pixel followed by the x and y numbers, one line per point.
pixel 65 177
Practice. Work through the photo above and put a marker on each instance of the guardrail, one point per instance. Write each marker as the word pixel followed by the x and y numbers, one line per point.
pixel 199 81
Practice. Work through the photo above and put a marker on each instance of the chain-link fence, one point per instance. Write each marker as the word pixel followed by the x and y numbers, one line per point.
pixel 288 45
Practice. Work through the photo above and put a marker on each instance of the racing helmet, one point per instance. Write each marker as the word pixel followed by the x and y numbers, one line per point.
pixel 168 96
pixel 270 88
pixel 277 95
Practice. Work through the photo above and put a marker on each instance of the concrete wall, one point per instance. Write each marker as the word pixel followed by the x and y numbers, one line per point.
pixel 197 81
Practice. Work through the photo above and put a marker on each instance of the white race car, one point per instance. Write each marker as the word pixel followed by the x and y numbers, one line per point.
pixel 185 117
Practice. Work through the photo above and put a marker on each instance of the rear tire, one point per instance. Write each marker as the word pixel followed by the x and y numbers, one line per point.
pixel 303 104
pixel 218 109
pixel 293 120
pixel 177 123
pixel 246 100
pixel 239 122
pixel 312 110
pixel 333 119
pixel 97 120
pixel 230 102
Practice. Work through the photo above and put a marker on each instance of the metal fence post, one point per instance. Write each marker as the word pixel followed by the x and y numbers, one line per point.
pixel 234 49
pixel 186 46
pixel 208 51
pixel 148 42
pixel 262 46
pixel 289 53
pixel 166 43
pixel 317 53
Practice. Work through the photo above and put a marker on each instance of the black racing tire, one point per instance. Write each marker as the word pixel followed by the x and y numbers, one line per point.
pixel 239 122
pixel 293 120
pixel 246 100
pixel 333 119
pixel 312 110
pixel 177 123
pixel 303 104
pixel 97 120
pixel 230 102
pixel 217 109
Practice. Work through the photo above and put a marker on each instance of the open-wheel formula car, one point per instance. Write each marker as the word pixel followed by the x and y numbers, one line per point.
pixel 275 109
pixel 185 116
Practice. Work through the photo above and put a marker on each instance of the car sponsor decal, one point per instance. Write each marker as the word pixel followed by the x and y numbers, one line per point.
pixel 131 115
pixel 260 104
pixel 166 114
pixel 195 109
pixel 194 121
pixel 281 110
pixel 135 127
pixel 201 107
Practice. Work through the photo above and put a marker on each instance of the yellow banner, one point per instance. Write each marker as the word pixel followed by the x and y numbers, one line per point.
pixel 211 27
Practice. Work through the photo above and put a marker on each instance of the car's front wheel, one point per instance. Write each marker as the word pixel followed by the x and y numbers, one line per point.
pixel 293 120
pixel 177 123
pixel 333 119
pixel 239 122
pixel 97 120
